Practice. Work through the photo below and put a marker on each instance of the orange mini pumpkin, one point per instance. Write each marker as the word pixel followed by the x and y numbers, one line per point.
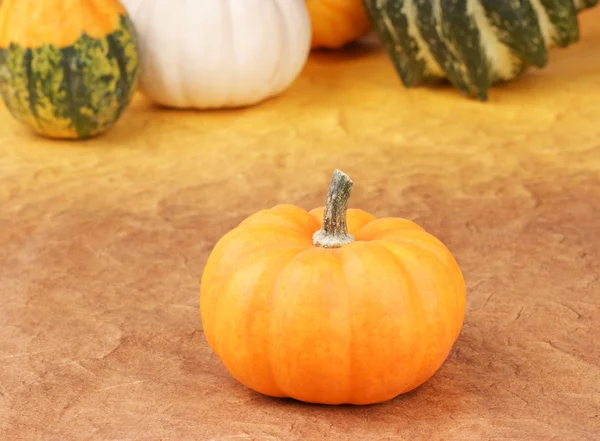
pixel 352 310
pixel 336 23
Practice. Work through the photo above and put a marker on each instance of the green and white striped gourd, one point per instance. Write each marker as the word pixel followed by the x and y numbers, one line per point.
pixel 472 43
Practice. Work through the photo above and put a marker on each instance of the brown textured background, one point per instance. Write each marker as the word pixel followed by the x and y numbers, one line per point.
pixel 102 245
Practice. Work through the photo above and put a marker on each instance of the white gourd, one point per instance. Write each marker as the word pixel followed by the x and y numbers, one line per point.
pixel 219 53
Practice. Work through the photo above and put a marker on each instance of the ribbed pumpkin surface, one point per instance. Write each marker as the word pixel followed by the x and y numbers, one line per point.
pixel 358 324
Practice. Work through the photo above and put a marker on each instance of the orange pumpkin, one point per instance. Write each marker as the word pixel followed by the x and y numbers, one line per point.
pixel 353 309
pixel 336 23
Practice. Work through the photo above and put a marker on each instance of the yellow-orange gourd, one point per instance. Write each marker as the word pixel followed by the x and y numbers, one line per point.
pixel 301 308
pixel 68 68
pixel 336 23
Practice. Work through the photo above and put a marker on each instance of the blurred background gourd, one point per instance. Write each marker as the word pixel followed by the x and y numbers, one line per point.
pixel 473 44
pixel 70 81
pixel 336 23
pixel 219 53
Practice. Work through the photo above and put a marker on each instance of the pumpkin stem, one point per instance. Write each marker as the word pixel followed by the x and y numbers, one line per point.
pixel 334 233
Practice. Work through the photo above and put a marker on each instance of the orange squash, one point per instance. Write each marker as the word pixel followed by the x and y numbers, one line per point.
pixel 336 23
pixel 331 306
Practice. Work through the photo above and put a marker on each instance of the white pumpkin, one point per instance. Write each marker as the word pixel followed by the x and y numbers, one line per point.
pixel 219 53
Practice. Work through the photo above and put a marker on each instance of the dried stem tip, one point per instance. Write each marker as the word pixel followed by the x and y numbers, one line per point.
pixel 334 232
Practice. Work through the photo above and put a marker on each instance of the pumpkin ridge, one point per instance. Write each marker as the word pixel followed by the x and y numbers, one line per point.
pixel 295 217
pixel 406 294
pixel 273 291
pixel 296 260
pixel 450 265
pixel 353 249
pixel 415 300
pixel 267 269
pixel 351 343
pixel 278 216
pixel 348 253
pixel 230 240
pixel 284 231
pixel 427 243
pixel 430 246
pixel 395 226
pixel 454 301
pixel 222 277
pixel 265 224
pixel 269 246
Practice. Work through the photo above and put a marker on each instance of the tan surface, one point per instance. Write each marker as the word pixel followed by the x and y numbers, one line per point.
pixel 102 245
